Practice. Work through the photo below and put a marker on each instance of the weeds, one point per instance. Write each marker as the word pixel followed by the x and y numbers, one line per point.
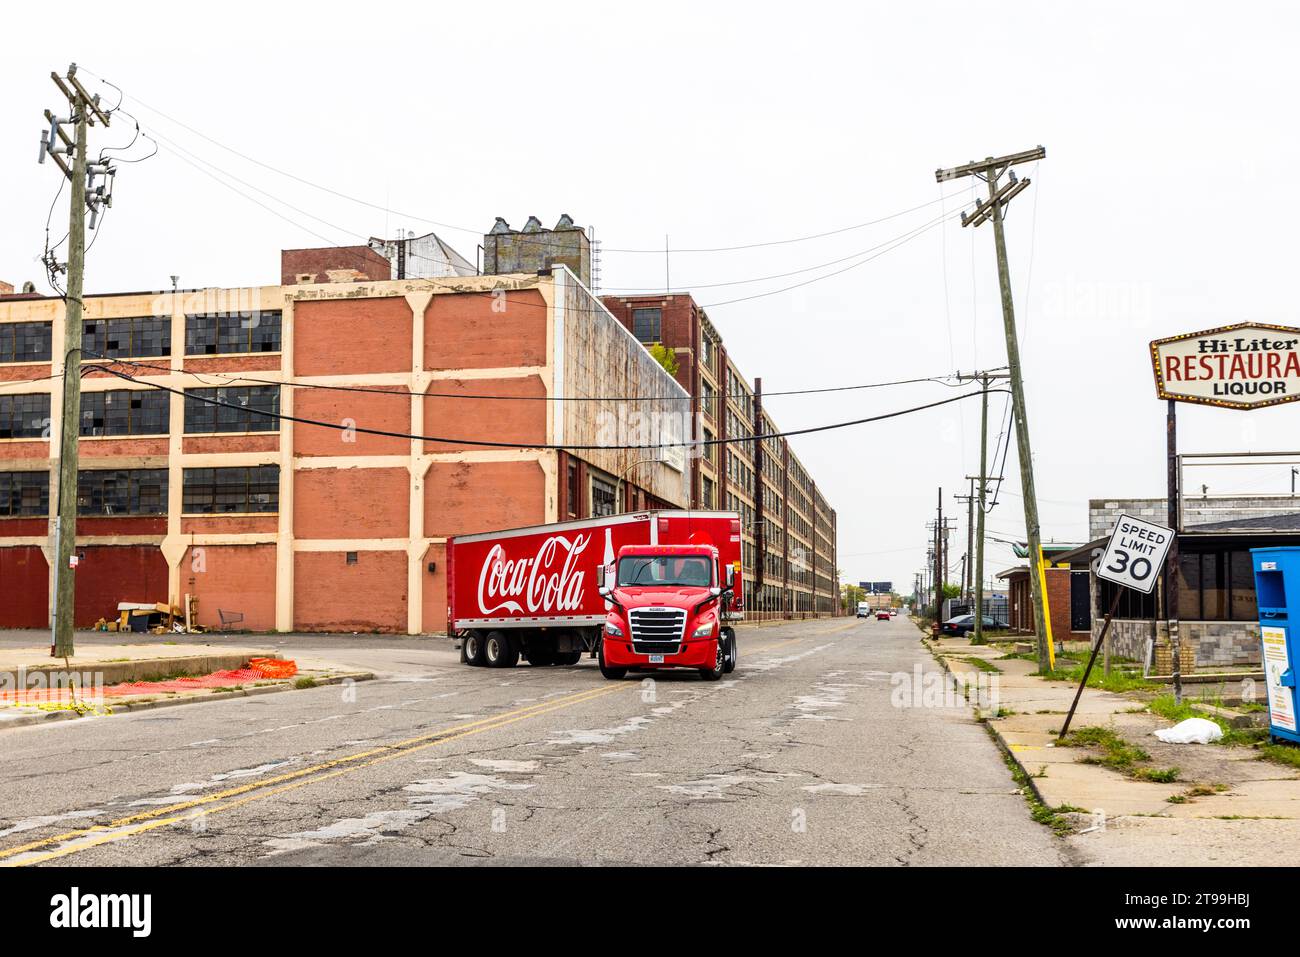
pixel 1118 755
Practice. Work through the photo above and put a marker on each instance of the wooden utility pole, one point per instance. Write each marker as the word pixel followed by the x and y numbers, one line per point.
pixel 83 111
pixel 982 499
pixel 990 170
pixel 938 567
pixel 968 560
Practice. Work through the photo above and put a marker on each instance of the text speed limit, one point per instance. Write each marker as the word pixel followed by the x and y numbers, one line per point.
pixel 1135 554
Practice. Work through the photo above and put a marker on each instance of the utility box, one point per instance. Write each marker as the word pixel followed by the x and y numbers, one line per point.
pixel 1277 583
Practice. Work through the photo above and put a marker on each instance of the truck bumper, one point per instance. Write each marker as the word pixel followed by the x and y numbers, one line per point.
pixel 621 653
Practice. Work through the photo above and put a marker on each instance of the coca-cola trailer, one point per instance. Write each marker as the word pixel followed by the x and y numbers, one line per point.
pixel 535 592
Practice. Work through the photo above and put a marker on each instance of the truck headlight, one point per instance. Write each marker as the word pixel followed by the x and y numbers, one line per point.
pixel 613 630
pixel 703 631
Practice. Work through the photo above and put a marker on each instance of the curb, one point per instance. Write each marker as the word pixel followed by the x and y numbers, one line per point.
pixel 992 731
pixel 130 707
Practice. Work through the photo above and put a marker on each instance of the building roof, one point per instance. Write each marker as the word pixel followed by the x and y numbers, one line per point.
pixel 1081 554
pixel 1049 548
pixel 1289 522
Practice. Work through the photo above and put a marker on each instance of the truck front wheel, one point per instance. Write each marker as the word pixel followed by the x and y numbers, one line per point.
pixel 499 651
pixel 613 674
pixel 732 652
pixel 719 662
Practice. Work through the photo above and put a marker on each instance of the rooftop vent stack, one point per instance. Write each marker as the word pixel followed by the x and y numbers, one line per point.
pixel 536 249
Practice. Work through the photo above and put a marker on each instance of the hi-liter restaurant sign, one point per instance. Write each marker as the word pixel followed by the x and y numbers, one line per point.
pixel 1244 366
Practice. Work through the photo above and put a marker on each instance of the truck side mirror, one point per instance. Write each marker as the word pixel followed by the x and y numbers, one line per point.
pixel 605 579
pixel 731 577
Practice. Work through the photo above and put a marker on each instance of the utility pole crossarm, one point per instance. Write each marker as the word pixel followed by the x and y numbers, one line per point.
pixel 999 163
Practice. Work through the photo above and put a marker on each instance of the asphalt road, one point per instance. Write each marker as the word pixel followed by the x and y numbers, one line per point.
pixel 802 756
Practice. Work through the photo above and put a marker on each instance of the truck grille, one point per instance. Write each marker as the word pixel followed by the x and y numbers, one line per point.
pixel 661 626
pixel 656 647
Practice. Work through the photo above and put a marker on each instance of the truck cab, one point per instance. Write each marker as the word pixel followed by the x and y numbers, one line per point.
pixel 667 608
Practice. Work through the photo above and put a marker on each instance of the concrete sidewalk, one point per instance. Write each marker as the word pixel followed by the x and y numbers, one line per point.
pixel 34 688
pixel 1220 796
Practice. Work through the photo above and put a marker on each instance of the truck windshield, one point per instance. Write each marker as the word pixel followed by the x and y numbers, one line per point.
pixel 693 571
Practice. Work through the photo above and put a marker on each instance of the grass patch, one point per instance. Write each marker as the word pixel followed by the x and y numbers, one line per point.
pixel 1167 708
pixel 1156 775
pixel 1280 753
pixel 1177 799
pixel 171 676
pixel 1118 681
pixel 305 683
pixel 1117 754
pixel 984 666
pixel 1115 751
pixel 1205 790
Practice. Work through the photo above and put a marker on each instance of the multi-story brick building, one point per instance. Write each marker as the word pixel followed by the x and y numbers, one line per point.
pixel 788 526
pixel 333 519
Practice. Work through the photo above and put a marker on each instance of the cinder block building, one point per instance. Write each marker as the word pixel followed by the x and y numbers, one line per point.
pixel 788 527
pixel 336 521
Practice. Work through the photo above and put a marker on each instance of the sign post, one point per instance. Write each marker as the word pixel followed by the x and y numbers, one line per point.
pixel 1133 559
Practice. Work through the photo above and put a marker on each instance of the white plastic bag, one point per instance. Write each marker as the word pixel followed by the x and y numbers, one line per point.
pixel 1191 731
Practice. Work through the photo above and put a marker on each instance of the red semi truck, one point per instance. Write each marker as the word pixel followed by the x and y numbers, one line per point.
pixel 644 590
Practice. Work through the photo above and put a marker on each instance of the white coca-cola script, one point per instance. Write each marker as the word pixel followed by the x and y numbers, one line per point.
pixel 547 583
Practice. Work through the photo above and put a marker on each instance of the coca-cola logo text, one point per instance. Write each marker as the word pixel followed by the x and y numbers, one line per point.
pixel 548 582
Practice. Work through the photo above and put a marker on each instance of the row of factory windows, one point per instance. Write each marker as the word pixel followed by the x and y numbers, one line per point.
pixel 117 492
pixel 145 337
pixel 602 495
pixel 147 412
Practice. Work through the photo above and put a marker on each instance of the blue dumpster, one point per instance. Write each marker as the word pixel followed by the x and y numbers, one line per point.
pixel 1277 579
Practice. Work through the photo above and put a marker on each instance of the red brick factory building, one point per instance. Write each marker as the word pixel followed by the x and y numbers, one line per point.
pixel 298 527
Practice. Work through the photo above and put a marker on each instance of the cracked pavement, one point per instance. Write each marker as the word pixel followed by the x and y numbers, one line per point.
pixel 799 757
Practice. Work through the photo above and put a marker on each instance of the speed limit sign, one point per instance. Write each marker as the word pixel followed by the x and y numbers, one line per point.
pixel 1135 554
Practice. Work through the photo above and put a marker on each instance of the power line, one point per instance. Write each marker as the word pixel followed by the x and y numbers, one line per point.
pixel 375 390
pixel 900 241
pixel 184 155
pixel 780 275
pixel 480 232
pixel 483 443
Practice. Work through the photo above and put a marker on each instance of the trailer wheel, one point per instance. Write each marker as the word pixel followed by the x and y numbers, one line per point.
pixel 499 651
pixel 733 653
pixel 568 657
pixel 472 648
pixel 613 674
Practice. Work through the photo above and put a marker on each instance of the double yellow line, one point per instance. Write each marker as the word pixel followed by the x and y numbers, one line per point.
pixel 71 842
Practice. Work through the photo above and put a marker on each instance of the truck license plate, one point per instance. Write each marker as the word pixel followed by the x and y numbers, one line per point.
pixel 656 659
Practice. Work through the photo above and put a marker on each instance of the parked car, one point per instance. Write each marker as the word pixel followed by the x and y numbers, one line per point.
pixel 963 625
pixel 883 615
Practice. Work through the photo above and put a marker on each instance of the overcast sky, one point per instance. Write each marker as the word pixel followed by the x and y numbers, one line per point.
pixel 1164 204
